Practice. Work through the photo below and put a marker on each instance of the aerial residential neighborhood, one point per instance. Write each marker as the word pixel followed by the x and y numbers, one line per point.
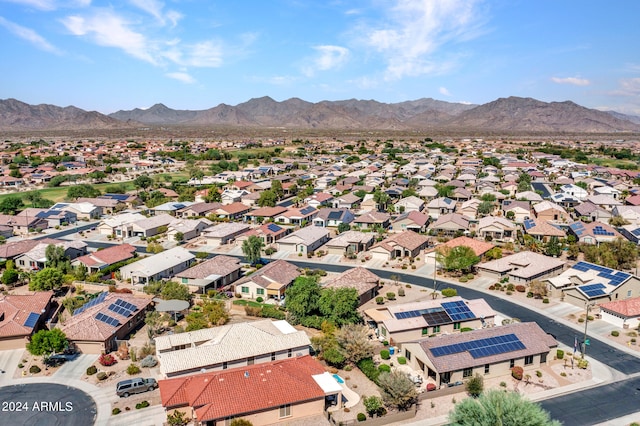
pixel 383 284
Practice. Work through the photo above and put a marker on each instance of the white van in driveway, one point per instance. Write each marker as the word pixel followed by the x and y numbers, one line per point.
pixel 131 386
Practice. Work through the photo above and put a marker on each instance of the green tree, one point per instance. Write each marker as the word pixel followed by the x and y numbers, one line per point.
pixel 82 190
pixel 45 342
pixel 494 253
pixel 497 407
pixel 302 296
pixel 485 208
pixel 10 276
pixel 216 312
pixel 343 227
pixel 143 182
pixel 276 187
pixel 240 422
pixel 179 236
pixel 11 204
pixel 46 279
pixel 34 197
pixel 177 418
pixel 553 247
pixel 355 342
pixel 252 249
pixel 196 321
pixel 397 390
pixel 56 258
pixel 445 190
pixel 267 198
pixel 153 321
pixel 382 199
pixel 174 290
pixel 213 195
pixel 340 305
pixel 373 404
pixel 475 385
pixel 459 259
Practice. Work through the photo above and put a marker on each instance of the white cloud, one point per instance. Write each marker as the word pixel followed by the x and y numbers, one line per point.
pixel 576 81
pixel 106 28
pixel 328 58
pixel 181 76
pixel 417 29
pixel 29 35
pixel 155 9
pixel 38 4
pixel 444 91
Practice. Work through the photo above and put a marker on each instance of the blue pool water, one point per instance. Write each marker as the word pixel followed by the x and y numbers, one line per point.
pixel 338 379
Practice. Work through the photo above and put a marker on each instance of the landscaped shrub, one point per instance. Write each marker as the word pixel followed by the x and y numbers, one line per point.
pixel 492 287
pixel 259 299
pixel 401 292
pixel 253 311
pixel 391 295
pixel 431 387
pixel 463 279
pixel 615 333
pixel 529 294
pixel 368 368
pixel 384 354
pixel 590 318
pixel 384 368
pixel 101 375
pixel 449 292
pixel 517 372
pixel 148 361
pixel 379 300
pixel 361 417
pixel 106 360
pixel 580 320
pixel 21 365
pixel 143 404
pixel 402 360
pixel 115 411
pixel 34 369
pixel 133 369
pixel 545 300
pixel 92 370
pixel 465 329
pixel 521 288
pixel 538 373
pixel 511 287
pixel 559 354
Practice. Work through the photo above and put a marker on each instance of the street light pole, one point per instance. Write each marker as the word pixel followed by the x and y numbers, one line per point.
pixel 586 322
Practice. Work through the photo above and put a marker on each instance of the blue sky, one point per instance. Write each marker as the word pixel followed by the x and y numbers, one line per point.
pixel 196 54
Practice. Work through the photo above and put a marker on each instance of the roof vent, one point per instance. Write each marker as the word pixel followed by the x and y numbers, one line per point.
pixel 246 374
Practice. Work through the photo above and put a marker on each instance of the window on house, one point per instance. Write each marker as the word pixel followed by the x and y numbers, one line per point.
pixel 289 353
pixel 407 355
pixel 486 369
pixel 251 360
pixel 185 280
pixel 528 360
pixel 285 410
pixel 225 365
pixel 467 372
pixel 383 330
pixel 260 291
pixel 456 326
pixel 273 356
pixel 629 293
pixel 436 329
pixel 425 330
pixel 245 289
pixel 512 363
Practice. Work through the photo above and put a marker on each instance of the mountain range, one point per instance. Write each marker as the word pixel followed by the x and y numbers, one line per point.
pixel 510 115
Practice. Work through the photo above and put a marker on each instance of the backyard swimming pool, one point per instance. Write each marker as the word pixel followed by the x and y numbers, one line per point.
pixel 338 379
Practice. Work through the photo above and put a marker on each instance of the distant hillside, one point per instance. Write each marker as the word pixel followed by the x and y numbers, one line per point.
pixel 17 116
pixel 510 115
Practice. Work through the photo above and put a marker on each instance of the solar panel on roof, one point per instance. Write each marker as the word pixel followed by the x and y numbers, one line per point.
pixel 120 310
pixel 593 290
pixel 437 318
pixel 636 232
pixel 31 320
pixel 482 347
pixel 458 310
pixel 307 210
pixel 273 227
pixel 126 305
pixel 529 223
pixel 99 299
pixel 107 319
pixel 335 215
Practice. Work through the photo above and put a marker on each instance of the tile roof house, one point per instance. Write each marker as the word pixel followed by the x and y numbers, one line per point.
pixel 305 240
pixel 542 230
pixel 522 268
pixel 372 219
pixel 592 212
pixel 233 210
pixel 350 242
pixel 548 211
pixel 163 265
pixel 586 282
pixel 229 346
pixel 629 213
pixel 274 393
pixel 189 228
pixel 409 204
pixel 450 224
pixel 410 221
pixel 269 233
pixel 414 320
pixel 331 217
pixel 490 352
pixel 198 209
pixel 36 258
pixel 478 247
pixel 404 244
pixel 364 281
pixel 21 316
pixel 496 228
pixel 98 325
pixel 440 206
pixel 622 313
pixel 297 215
pixel 16 248
pixel 521 210
pixel 347 201
pixel 265 213
pixel 270 281
pixel 98 260
pixel 593 233
pixel 214 273
pixel 224 233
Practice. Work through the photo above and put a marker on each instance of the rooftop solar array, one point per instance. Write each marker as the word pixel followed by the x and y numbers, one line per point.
pixel 615 278
pixel 91 303
pixel 577 228
pixel 593 290
pixel 128 306
pixel 417 313
pixel 636 232
pixel 273 227
pixel 117 197
pixel 307 210
pixel 599 230
pixel 335 215
pixel 120 310
pixel 458 310
pixel 31 320
pixel 107 319
pixel 482 347
pixel 437 318
pixel 528 224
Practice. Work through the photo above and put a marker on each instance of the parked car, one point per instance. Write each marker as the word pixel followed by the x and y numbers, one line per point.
pixel 131 386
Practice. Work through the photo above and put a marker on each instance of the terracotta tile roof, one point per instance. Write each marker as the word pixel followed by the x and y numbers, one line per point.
pixel 534 338
pixel 268 211
pixel 14 249
pixel 524 264
pixel 372 217
pixel 359 278
pixel 629 308
pixel 280 271
pixel 234 208
pixel 15 309
pixel 542 227
pixel 108 256
pixel 245 390
pixel 220 265
pixel 85 326
pixel 478 247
